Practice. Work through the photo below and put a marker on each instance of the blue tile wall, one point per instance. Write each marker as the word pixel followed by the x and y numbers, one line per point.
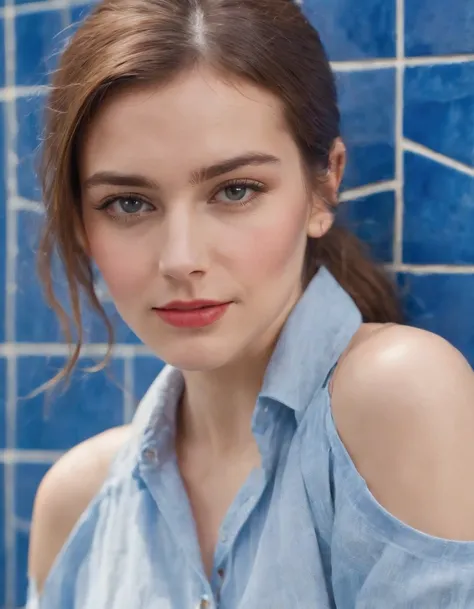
pixel 354 30
pixel 439 214
pixel 3 526
pixel 91 404
pixel 435 27
pixel 442 303
pixel 2 56
pixel 439 107
pixel 372 219
pixel 28 114
pixel 407 118
pixel 3 224
pixel 27 479
pixel 371 144
pixel 38 39
pixel 3 402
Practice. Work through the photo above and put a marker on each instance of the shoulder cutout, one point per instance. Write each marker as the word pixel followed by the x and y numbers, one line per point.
pixel 403 403
pixel 65 493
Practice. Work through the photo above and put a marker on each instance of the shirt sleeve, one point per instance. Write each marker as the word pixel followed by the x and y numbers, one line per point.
pixel 379 561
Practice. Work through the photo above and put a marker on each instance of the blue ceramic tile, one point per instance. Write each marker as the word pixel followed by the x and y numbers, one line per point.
pixel 43 326
pixel 3 226
pixel 438 223
pixel 439 108
pixel 39 38
pixel 436 27
pixel 79 13
pixel 2 50
pixel 145 370
pixel 37 324
pixel 372 220
pixel 442 304
pixel 92 403
pixel 27 479
pixel 367 102
pixel 354 30
pixel 29 112
pixel 21 584
pixel 3 405
pixel 3 262
pixel 2 539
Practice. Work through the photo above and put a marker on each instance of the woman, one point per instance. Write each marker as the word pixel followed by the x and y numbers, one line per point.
pixel 301 449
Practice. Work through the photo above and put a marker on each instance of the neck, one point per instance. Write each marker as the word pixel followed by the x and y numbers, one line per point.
pixel 217 406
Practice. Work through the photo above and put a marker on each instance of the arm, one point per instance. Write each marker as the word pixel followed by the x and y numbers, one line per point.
pixel 64 494
pixel 403 404
pixel 404 407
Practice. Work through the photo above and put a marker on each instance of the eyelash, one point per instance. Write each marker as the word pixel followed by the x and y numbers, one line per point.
pixel 254 185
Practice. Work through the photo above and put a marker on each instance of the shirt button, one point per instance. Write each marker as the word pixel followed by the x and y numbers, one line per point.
pixel 204 603
pixel 150 455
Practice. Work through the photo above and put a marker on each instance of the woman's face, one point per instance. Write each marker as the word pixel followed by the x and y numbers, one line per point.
pixel 194 191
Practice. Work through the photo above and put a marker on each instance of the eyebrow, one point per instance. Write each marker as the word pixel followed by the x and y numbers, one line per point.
pixel 199 176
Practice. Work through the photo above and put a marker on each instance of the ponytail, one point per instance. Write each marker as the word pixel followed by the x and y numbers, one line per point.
pixel 346 257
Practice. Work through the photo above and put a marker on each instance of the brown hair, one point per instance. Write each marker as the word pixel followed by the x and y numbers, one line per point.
pixel 127 42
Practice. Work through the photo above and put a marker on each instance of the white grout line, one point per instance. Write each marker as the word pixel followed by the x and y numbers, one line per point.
pixel 40 7
pixel 380 64
pixel 399 161
pixel 37 457
pixel 22 525
pixel 12 349
pixel 22 204
pixel 11 93
pixel 432 269
pixel 428 153
pixel 10 318
pixel 439 60
pixel 365 191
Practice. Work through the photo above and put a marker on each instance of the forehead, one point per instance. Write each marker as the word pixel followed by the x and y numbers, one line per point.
pixel 196 118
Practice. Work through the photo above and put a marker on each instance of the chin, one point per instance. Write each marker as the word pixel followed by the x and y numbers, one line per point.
pixel 191 363
pixel 193 358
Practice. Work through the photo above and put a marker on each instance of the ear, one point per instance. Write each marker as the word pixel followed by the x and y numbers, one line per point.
pixel 324 200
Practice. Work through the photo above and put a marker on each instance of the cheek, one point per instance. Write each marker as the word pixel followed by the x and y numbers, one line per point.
pixel 274 247
pixel 122 262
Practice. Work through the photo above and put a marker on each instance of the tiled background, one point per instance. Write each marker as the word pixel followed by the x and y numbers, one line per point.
pixel 406 77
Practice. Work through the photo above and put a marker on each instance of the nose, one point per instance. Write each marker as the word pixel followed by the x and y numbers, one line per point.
pixel 182 251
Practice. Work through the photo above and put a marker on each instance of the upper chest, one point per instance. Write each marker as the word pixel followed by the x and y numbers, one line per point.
pixel 212 488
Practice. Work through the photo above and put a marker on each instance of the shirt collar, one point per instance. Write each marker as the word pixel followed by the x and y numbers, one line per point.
pixel 313 339
pixel 154 424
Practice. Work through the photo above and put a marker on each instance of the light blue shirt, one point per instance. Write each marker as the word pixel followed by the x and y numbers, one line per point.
pixel 304 531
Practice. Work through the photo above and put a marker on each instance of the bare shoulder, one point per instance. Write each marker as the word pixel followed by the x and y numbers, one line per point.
pixel 387 362
pixel 64 494
pixel 403 403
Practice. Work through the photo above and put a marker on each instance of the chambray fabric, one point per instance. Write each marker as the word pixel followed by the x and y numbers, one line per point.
pixel 303 532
